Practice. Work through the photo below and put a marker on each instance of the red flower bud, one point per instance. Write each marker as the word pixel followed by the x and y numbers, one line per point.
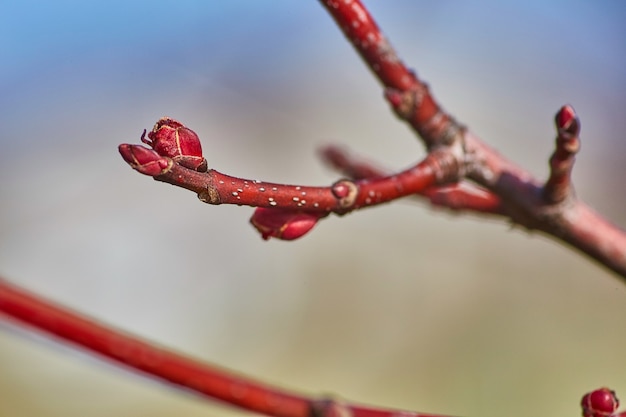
pixel 599 403
pixel 172 139
pixel 565 117
pixel 283 223
pixel 567 121
pixel 144 160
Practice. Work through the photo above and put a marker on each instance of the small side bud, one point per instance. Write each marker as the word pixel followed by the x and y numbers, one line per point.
pixel 346 192
pixel 599 403
pixel 567 122
pixel 172 139
pixel 283 224
pixel 144 160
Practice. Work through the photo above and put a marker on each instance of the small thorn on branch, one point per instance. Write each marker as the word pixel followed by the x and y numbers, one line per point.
pixel 559 185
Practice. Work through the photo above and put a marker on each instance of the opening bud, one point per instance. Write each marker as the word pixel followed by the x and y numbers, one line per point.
pixel 567 121
pixel 172 139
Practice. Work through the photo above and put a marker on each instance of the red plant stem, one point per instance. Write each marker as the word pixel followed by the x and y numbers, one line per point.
pixel 201 378
pixel 213 187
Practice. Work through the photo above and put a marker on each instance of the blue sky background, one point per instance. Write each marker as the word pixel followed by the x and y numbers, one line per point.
pixel 402 305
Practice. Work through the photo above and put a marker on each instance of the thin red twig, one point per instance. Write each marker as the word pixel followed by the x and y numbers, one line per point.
pixel 462 196
pixel 213 187
pixel 283 211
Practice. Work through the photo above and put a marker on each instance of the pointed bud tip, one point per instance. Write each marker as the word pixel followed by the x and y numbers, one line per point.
pixel 566 119
pixel 143 160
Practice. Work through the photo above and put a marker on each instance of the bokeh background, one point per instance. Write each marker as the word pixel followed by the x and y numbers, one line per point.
pixel 402 305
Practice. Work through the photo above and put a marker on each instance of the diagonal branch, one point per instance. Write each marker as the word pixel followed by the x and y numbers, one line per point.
pixel 148 359
pixel 343 196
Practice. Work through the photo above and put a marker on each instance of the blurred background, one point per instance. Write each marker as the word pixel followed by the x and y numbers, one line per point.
pixel 402 305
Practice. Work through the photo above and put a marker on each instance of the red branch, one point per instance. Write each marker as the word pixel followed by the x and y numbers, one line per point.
pixel 206 380
pixel 283 211
pixel 462 196
pixel 213 187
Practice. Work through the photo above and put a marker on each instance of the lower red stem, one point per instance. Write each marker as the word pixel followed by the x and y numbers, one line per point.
pixel 142 356
pixel 201 378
